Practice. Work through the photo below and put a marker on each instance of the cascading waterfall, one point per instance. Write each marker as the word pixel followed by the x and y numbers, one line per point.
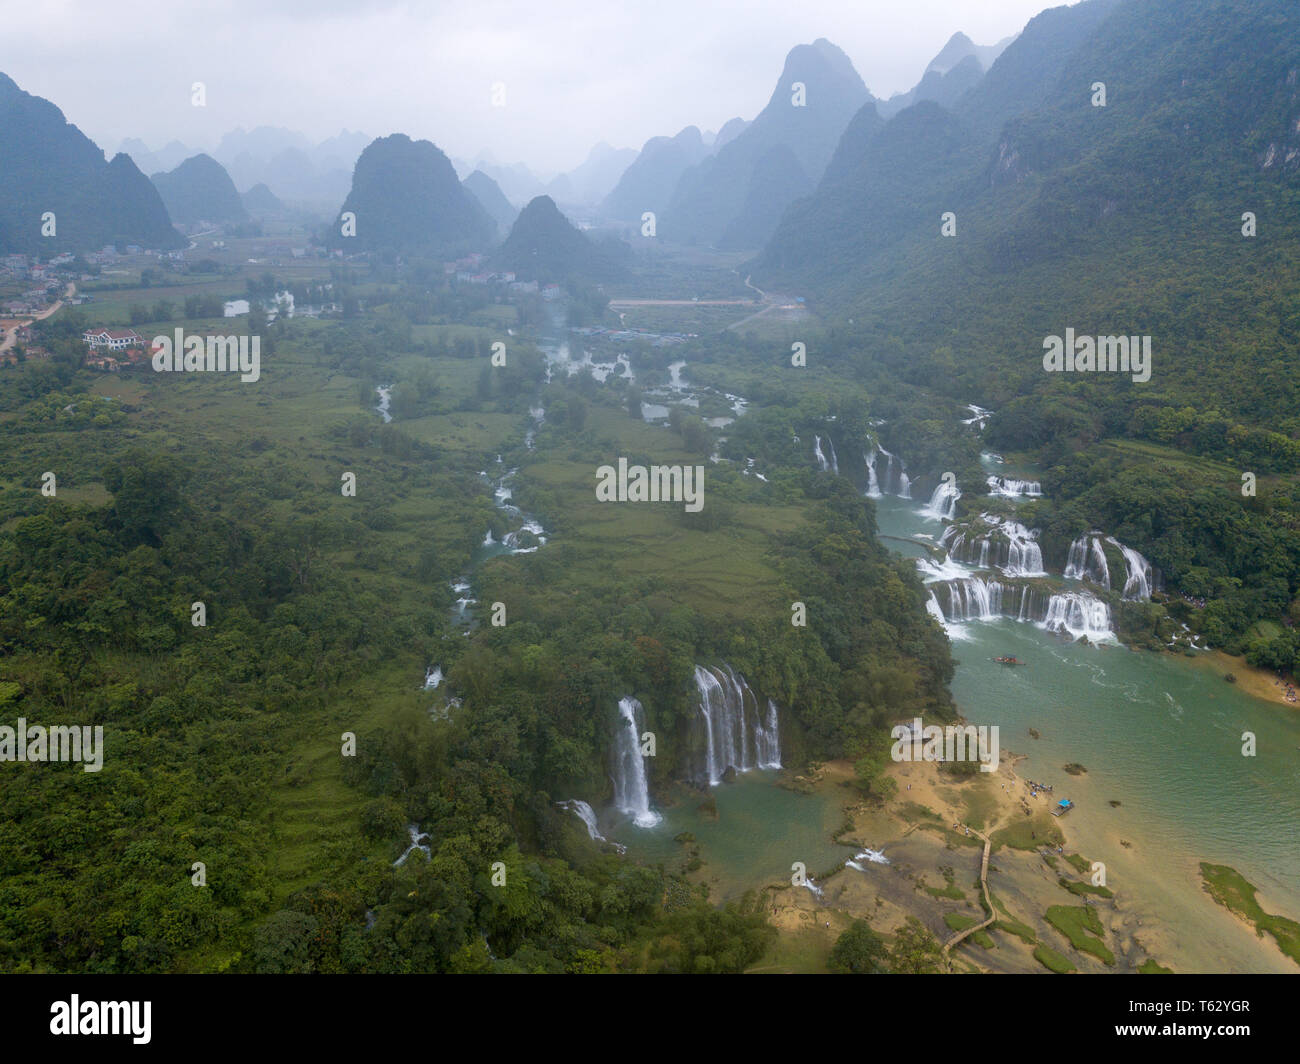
pixel 1138 580
pixel 896 482
pixel 1015 548
pixel 587 815
pixel 631 791
pixel 1013 488
pixel 973 598
pixel 737 734
pixel 824 464
pixel 943 502
pixel 933 608
pixel 1087 561
pixel 873 482
pixel 1079 614
pixel 419 841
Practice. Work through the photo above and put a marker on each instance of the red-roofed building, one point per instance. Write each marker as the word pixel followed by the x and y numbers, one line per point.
pixel 112 339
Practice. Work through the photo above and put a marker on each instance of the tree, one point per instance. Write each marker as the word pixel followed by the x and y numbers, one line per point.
pixel 915 950
pixel 859 950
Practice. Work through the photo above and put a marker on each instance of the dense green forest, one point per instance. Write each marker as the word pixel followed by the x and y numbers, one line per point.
pixel 321 614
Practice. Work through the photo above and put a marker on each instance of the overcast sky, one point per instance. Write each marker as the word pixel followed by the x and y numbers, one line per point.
pixel 575 72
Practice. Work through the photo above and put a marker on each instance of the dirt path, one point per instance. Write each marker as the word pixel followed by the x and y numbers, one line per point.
pixel 11 335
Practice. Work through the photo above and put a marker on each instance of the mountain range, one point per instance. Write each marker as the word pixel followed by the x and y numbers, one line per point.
pixel 49 167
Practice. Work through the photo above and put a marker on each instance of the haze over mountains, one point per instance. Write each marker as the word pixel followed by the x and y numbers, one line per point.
pixel 405 196
pixel 200 190
pixel 50 167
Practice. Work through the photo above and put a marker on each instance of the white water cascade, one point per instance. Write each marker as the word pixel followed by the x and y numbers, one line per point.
pixel 1079 614
pixel 972 598
pixel 631 791
pixel 825 465
pixel 419 841
pixel 1087 561
pixel 587 815
pixel 943 502
pixel 1139 578
pixel 1008 545
pixel 1013 488
pixel 737 733
pixel 873 482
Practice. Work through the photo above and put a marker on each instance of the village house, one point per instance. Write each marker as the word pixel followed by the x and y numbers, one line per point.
pixel 112 339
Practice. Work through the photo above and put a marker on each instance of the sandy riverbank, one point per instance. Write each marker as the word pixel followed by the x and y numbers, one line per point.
pixel 1259 683
pixel 1159 910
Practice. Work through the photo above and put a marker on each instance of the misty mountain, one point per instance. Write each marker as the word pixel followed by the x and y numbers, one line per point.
pixel 1127 217
pixel 491 199
pixel 648 183
pixel 287 161
pixel 407 198
pixel 49 165
pixel 589 183
pixel 960 64
pixel 517 182
pixel 543 245
pixel 730 130
pixel 261 200
pixel 200 190
pixel 152 162
pixel 710 196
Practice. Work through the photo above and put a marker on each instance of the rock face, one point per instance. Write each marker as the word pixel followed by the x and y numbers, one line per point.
pixel 200 190
pixel 49 166
pixel 405 197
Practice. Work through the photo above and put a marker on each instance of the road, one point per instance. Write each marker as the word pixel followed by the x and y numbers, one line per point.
pixel 11 335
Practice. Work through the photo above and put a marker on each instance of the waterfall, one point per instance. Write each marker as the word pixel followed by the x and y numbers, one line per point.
pixel 873 484
pixel 631 792
pixel 588 816
pixel 933 608
pixel 943 502
pixel 736 734
pixel 1138 580
pixel 419 841
pixel 1013 488
pixel 433 678
pixel 1013 547
pixel 1078 614
pixel 1087 561
pixel 1024 556
pixel 904 485
pixel 823 464
pixel 973 598
pixel 385 392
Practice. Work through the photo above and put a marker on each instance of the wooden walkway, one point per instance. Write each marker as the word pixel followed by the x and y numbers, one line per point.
pixel 988 900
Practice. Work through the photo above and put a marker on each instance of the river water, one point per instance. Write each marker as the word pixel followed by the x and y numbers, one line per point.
pixel 1161 734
